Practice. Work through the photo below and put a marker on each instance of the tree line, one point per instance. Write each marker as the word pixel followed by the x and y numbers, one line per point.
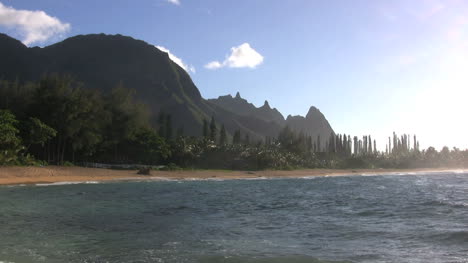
pixel 58 121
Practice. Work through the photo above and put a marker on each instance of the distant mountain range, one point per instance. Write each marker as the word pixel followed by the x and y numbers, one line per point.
pixel 314 124
pixel 106 61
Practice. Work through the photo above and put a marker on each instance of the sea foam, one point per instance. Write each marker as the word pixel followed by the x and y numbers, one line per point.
pixel 67 183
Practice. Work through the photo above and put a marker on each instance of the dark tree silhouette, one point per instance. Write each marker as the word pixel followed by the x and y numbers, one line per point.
pixel 213 130
pixel 168 126
pixel 247 139
pixel 222 136
pixel 162 124
pixel 205 128
pixel 236 139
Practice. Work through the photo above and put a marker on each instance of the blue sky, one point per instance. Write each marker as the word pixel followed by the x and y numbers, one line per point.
pixel 371 66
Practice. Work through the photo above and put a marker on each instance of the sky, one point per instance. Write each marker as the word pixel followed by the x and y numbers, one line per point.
pixel 371 66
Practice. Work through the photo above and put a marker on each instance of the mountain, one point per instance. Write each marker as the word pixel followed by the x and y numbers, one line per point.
pixel 242 107
pixel 313 124
pixel 105 61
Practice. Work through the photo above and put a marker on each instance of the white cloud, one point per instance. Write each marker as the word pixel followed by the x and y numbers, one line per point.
pixel 34 26
pixel 175 2
pixel 177 60
pixel 214 65
pixel 242 56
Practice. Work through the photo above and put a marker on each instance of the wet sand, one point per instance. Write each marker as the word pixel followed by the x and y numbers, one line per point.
pixel 55 174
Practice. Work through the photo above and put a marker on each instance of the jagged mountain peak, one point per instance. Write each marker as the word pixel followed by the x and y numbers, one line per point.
pixel 313 124
pixel 242 107
pixel 266 105
pixel 313 111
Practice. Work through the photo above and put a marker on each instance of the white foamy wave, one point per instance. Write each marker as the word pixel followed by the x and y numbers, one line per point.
pixel 460 171
pixel 459 204
pixel 408 173
pixel 155 178
pixel 309 177
pixel 217 179
pixel 15 185
pixel 257 178
pixel 375 174
pixel 196 179
pixel 67 183
pixel 180 180
pixel 402 174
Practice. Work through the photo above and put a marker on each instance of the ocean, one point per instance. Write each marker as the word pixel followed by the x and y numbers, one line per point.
pixel 384 218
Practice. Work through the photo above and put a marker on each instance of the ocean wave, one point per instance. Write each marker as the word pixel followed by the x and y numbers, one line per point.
pixel 309 177
pixel 453 204
pixel 460 171
pixel 452 237
pixel 260 178
pixel 240 259
pixel 370 174
pixel 67 183
pixel 15 185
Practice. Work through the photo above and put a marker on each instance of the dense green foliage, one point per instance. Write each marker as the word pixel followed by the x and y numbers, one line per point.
pixel 56 120
pixel 9 140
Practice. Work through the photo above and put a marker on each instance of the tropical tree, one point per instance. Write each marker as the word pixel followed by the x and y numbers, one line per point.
pixel 76 114
pixel 10 143
pixel 36 132
pixel 147 147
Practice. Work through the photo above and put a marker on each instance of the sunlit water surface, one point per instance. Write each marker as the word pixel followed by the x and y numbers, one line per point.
pixel 390 218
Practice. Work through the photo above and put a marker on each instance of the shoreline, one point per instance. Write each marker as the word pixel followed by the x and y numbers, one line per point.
pixel 30 175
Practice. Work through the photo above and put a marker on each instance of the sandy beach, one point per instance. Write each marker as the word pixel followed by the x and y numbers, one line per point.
pixel 55 174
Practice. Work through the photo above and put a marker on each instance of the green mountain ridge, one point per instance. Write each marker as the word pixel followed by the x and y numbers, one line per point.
pixel 104 62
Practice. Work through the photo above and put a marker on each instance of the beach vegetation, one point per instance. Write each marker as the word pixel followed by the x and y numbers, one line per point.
pixel 57 120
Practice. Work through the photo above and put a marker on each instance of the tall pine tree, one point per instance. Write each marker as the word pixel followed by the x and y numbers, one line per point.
pixel 213 130
pixel 205 128
pixel 222 136
pixel 236 139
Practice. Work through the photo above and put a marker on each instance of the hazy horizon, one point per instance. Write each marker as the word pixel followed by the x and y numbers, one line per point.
pixel 371 67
